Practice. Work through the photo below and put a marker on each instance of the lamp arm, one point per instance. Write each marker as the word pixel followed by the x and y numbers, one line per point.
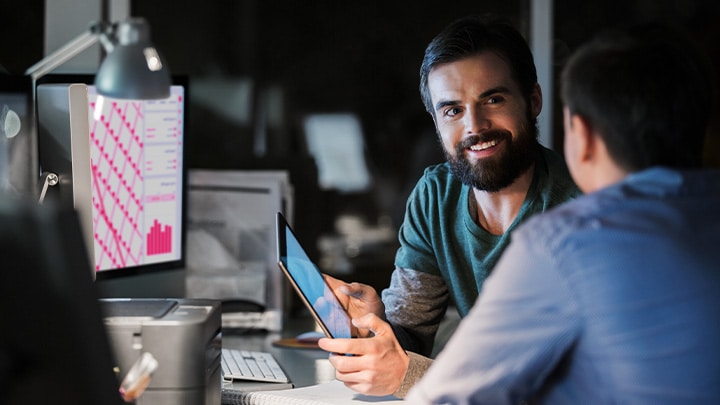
pixel 107 37
pixel 67 51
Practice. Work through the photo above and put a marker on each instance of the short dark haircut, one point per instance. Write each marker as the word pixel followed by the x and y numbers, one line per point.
pixel 472 35
pixel 647 90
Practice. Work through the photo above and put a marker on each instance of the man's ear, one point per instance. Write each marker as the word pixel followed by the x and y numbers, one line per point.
pixel 585 138
pixel 587 156
pixel 536 100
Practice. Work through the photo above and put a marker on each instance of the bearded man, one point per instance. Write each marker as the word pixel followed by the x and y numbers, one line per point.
pixel 479 84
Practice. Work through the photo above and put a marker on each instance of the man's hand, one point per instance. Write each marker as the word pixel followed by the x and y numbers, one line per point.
pixel 358 300
pixel 370 366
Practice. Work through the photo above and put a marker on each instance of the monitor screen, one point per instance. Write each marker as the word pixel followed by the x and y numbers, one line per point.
pixel 136 155
pixel 336 142
pixel 15 109
pixel 132 160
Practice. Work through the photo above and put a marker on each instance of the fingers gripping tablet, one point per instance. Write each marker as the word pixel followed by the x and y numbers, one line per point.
pixel 309 283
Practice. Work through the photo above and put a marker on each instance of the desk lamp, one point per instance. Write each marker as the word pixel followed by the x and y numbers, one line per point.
pixel 132 68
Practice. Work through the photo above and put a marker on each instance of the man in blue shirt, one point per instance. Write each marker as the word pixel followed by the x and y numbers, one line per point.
pixel 615 296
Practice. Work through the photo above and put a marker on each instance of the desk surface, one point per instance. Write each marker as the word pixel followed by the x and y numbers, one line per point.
pixel 304 366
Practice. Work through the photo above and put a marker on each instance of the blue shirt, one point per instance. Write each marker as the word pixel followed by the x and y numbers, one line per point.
pixel 611 298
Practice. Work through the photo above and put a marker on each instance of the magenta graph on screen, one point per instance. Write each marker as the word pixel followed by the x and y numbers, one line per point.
pixel 135 153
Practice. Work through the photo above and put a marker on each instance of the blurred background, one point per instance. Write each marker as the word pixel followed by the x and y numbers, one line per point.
pixel 258 69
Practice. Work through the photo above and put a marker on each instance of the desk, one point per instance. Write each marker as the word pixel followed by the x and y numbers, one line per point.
pixel 304 367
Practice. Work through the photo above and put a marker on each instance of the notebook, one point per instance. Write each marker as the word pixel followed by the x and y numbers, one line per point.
pixel 328 393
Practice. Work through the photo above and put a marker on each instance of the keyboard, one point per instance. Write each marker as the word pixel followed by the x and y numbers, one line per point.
pixel 251 366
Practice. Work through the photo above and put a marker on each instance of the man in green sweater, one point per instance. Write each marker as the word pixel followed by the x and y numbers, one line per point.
pixel 479 84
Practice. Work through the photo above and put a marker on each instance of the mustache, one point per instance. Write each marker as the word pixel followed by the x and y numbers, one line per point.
pixel 491 135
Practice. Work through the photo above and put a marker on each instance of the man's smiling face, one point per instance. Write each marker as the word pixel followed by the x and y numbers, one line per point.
pixel 485 124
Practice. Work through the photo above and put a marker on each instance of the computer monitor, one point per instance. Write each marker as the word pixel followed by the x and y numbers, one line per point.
pixel 125 174
pixel 15 146
pixel 53 344
pixel 336 142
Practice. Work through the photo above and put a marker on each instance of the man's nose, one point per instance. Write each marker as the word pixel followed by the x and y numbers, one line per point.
pixel 476 121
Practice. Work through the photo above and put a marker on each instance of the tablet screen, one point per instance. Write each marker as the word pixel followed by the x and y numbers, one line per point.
pixel 309 283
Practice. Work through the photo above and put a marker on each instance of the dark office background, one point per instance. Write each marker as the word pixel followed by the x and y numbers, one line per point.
pixel 337 56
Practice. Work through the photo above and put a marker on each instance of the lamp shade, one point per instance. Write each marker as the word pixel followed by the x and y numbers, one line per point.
pixel 134 68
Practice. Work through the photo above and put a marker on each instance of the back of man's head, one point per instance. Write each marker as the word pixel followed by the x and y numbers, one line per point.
pixel 469 36
pixel 647 90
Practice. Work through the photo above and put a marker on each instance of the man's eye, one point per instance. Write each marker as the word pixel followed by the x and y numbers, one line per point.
pixel 451 112
pixel 494 100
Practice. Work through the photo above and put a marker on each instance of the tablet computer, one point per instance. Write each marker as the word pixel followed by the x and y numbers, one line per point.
pixel 309 283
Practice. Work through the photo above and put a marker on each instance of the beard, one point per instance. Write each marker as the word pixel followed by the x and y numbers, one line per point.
pixel 496 172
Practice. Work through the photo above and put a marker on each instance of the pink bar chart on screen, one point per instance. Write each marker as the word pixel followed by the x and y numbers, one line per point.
pixel 159 239
pixel 136 157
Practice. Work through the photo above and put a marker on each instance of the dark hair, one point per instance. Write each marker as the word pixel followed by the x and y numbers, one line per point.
pixel 472 35
pixel 647 90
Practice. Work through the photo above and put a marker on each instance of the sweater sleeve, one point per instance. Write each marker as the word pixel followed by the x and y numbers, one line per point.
pixel 415 303
pixel 416 369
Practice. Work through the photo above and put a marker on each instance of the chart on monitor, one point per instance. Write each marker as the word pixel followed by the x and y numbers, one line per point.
pixel 137 177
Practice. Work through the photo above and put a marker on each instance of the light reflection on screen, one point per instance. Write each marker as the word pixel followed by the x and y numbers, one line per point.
pixel 316 291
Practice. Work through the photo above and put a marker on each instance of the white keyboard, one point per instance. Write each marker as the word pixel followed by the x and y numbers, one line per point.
pixel 252 366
